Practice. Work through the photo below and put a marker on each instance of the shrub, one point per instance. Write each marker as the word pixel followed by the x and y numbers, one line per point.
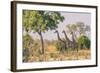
pixel 83 42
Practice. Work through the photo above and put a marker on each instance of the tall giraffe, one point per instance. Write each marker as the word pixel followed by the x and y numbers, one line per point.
pixel 75 45
pixel 68 41
pixel 74 41
pixel 61 42
pixel 71 44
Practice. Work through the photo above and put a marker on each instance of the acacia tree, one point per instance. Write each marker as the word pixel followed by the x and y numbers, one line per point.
pixel 40 22
pixel 82 29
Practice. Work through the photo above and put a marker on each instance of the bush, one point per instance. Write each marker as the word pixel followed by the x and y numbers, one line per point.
pixel 83 42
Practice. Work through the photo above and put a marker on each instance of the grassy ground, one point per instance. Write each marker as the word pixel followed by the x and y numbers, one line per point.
pixel 57 56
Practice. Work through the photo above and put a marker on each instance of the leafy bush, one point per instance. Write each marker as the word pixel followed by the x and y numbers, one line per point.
pixel 83 42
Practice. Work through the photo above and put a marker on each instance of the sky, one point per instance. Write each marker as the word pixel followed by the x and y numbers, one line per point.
pixel 70 18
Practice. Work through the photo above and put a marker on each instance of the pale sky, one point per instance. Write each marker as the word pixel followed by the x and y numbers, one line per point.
pixel 70 18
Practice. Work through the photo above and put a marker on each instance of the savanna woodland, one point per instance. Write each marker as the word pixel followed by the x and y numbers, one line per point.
pixel 48 37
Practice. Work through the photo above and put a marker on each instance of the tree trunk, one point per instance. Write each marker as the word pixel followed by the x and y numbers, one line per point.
pixel 42 43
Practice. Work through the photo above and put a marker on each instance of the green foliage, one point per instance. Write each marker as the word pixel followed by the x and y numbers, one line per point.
pixel 41 20
pixel 30 47
pixel 83 42
pixel 27 41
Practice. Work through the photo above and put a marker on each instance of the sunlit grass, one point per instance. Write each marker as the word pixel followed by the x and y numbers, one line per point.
pixel 55 55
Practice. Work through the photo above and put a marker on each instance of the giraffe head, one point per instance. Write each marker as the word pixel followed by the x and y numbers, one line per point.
pixel 56 31
pixel 63 31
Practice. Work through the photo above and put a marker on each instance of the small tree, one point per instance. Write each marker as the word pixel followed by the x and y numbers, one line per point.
pixel 41 21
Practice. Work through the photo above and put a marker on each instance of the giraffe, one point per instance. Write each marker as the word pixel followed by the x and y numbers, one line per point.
pixel 68 41
pixel 71 44
pixel 61 42
pixel 74 41
pixel 75 45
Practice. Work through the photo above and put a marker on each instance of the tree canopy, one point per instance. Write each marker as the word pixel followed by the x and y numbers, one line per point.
pixel 41 20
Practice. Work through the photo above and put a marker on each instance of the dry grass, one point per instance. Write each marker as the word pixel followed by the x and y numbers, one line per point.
pixel 52 54
pixel 57 56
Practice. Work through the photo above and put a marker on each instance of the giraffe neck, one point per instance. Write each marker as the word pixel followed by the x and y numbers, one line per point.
pixel 66 36
pixel 59 36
